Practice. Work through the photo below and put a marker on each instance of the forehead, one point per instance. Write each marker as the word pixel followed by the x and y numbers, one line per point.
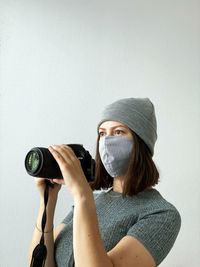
pixel 111 124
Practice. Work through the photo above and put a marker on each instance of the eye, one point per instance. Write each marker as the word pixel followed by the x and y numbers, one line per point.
pixel 119 132
pixel 101 134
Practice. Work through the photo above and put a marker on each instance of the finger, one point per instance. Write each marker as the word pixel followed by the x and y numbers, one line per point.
pixel 51 180
pixel 62 157
pixel 69 149
pixel 72 153
pixel 57 155
pixel 66 152
pixel 59 181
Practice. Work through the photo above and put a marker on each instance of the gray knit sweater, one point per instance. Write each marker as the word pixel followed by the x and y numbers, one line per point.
pixel 147 216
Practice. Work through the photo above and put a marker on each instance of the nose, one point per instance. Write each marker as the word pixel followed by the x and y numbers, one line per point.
pixel 109 132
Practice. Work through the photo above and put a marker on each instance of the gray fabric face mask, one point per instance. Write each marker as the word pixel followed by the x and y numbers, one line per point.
pixel 115 152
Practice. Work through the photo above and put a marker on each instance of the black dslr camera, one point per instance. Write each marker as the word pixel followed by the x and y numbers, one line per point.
pixel 39 162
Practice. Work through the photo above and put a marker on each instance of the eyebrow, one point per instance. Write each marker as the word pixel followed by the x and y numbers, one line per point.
pixel 100 128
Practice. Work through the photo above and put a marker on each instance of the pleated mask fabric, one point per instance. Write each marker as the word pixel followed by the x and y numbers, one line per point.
pixel 115 152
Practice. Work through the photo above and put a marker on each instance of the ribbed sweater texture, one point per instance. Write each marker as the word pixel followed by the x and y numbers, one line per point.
pixel 148 217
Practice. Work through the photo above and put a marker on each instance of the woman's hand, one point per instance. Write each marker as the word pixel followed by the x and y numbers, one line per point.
pixel 70 166
pixel 53 191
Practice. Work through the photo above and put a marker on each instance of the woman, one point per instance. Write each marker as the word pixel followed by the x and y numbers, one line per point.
pixel 128 225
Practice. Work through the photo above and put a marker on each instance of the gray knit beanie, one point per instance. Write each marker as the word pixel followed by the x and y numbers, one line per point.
pixel 136 113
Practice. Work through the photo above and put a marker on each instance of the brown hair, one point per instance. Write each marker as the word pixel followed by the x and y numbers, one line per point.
pixel 141 173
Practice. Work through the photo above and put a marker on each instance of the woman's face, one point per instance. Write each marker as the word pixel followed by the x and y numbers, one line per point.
pixel 114 128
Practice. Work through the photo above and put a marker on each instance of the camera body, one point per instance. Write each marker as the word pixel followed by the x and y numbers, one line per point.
pixel 39 162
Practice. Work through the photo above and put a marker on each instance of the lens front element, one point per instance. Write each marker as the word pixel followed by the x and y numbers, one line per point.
pixel 33 161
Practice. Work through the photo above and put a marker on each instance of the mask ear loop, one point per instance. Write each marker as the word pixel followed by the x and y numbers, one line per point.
pixel 40 251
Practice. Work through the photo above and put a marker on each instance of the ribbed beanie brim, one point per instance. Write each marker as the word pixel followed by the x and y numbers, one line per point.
pixel 136 113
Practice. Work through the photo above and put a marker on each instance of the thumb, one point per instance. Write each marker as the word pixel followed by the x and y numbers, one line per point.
pixel 58 181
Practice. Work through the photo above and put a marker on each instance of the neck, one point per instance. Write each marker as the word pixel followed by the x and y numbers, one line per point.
pixel 118 184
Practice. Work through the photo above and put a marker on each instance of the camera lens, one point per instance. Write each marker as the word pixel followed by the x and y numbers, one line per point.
pixel 39 162
pixel 33 161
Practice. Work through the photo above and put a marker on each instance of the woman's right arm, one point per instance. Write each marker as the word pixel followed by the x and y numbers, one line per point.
pixel 49 231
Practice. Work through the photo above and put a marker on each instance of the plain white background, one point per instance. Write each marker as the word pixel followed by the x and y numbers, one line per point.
pixel 61 63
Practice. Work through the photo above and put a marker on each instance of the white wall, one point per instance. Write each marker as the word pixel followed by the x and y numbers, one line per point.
pixel 61 63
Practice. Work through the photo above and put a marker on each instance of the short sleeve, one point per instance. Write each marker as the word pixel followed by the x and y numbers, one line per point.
pixel 157 232
pixel 68 218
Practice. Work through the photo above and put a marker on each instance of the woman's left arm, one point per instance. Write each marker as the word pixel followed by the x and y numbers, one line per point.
pixel 88 246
